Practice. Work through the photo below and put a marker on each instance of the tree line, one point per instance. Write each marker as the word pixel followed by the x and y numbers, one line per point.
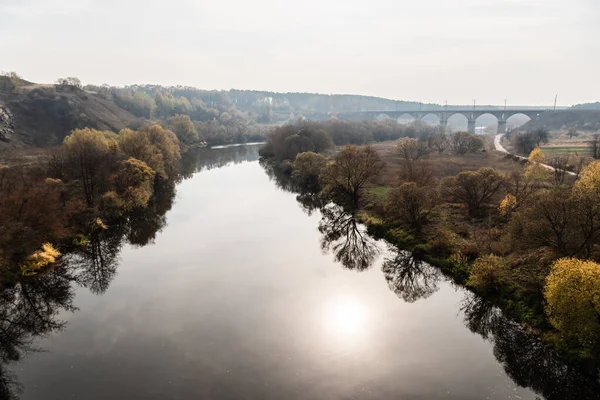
pixel 93 179
pixel 529 241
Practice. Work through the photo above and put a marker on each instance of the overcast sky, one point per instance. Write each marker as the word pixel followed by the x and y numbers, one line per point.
pixel 427 50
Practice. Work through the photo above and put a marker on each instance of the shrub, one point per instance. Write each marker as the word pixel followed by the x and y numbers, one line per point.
pixel 488 273
pixel 572 294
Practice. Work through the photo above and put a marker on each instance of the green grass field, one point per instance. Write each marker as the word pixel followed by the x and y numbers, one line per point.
pixel 554 151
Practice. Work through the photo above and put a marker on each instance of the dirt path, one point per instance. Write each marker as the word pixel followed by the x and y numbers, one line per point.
pixel 501 149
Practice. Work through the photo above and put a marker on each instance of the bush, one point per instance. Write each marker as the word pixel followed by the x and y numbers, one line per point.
pixel 572 294
pixel 488 273
pixel 462 143
pixel 308 168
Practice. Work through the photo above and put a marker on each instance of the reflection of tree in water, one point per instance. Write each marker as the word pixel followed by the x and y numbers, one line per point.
pixel 27 310
pixel 309 200
pixel 197 160
pixel 30 306
pixel 411 279
pixel 143 224
pixel 346 238
pixel 526 360
pixel 95 264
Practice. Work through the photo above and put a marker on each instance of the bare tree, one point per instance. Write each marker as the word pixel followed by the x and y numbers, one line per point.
pixel 560 165
pixel 595 146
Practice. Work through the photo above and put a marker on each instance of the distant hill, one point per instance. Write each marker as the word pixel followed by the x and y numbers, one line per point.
pixel 42 115
pixel 585 119
pixel 587 106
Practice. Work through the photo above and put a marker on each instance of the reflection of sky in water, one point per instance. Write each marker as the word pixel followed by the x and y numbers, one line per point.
pixel 236 300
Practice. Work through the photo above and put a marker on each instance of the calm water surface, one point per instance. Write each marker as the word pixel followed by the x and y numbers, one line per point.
pixel 235 298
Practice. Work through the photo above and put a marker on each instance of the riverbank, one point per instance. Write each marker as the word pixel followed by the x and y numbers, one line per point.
pixel 486 221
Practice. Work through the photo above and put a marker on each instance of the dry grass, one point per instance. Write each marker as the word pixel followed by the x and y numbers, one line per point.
pixel 445 164
pixel 21 156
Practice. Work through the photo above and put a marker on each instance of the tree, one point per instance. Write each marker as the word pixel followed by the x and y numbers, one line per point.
pixel 572 133
pixel 410 151
pixel 184 128
pixel 473 188
pixel 462 143
pixel 133 183
pixel 595 146
pixel 548 221
pixel 168 145
pixel 586 193
pixel 540 135
pixel 353 168
pixel 90 157
pixel 308 168
pixel 525 142
pixel 560 165
pixel 69 81
pixel 520 187
pixel 535 169
pixel 572 294
pixel 488 273
pixel 410 206
pixel 438 142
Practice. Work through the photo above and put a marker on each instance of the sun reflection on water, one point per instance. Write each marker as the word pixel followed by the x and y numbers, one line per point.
pixel 345 317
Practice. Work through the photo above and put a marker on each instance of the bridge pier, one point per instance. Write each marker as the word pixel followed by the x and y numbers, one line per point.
pixel 501 126
pixel 444 124
pixel 471 126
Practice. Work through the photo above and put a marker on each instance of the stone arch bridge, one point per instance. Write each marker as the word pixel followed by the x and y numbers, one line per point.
pixel 443 114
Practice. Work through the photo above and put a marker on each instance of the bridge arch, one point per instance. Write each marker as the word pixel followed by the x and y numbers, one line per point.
pixel 516 120
pixel 406 118
pixel 432 118
pixel 383 117
pixel 457 122
pixel 496 123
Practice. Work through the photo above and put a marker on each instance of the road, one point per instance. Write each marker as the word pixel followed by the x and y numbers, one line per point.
pixel 501 149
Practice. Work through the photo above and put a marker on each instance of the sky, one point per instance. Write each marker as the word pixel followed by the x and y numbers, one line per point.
pixel 524 51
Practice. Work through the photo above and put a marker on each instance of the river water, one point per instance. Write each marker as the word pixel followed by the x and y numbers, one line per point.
pixel 235 290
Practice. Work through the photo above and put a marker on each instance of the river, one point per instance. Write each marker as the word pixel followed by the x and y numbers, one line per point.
pixel 235 290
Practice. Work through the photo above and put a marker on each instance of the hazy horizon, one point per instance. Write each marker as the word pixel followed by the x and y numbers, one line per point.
pixel 526 51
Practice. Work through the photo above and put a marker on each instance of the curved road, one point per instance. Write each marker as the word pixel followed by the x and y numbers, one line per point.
pixel 501 149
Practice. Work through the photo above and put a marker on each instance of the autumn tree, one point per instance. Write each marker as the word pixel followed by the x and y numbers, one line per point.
pixel 184 128
pixel 308 168
pixel 586 193
pixel 462 143
pixel 438 142
pixel 536 170
pixel 572 294
pixel 133 183
pixel 168 145
pixel 90 157
pixel 410 151
pixel 473 188
pixel 520 187
pixel 353 169
pixel 488 273
pixel 410 206
pixel 560 167
pixel 540 135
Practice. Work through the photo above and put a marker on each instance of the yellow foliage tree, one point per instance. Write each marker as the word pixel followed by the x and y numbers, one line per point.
pixel 134 183
pixel 589 179
pixel 572 294
pixel 508 204
pixel 488 272
pixel 40 259
pixel 535 169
